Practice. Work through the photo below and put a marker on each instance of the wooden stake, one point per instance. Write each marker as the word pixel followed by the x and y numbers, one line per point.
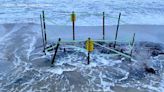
pixel 103 25
pixel 118 24
pixel 44 24
pixel 41 23
pixel 73 24
pixel 132 43
pixel 133 39
pixel 56 50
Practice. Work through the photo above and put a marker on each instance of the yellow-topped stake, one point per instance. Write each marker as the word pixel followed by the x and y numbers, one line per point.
pixel 73 17
pixel 89 45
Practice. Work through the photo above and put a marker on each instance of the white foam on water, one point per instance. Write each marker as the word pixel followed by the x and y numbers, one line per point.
pixel 101 60
pixel 124 78
pixel 62 61
pixel 27 66
pixel 93 63
pixel 161 88
pixel 151 87
pixel 27 86
pixel 59 70
pixel 31 46
pixel 105 85
pixel 78 49
pixel 17 59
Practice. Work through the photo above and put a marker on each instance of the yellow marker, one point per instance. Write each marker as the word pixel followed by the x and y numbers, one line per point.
pixel 90 45
pixel 73 17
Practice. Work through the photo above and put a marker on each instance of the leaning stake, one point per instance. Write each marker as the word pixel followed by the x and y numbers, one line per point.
pixel 41 23
pixel 118 24
pixel 56 50
pixel 44 24
pixel 103 25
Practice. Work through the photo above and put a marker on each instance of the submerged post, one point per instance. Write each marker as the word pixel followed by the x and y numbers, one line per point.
pixel 118 24
pixel 89 43
pixel 73 19
pixel 56 50
pixel 103 25
pixel 44 25
pixel 132 44
pixel 88 58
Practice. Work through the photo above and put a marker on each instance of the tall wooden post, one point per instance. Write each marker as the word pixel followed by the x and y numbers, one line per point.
pixel 118 24
pixel 73 30
pixel 103 25
pixel 73 19
pixel 44 24
pixel 132 43
pixel 41 23
pixel 56 50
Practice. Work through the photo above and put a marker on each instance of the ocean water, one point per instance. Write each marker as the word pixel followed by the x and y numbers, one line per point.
pixel 25 68
pixel 89 13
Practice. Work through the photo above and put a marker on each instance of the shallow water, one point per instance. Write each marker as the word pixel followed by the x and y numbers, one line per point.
pixel 25 68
